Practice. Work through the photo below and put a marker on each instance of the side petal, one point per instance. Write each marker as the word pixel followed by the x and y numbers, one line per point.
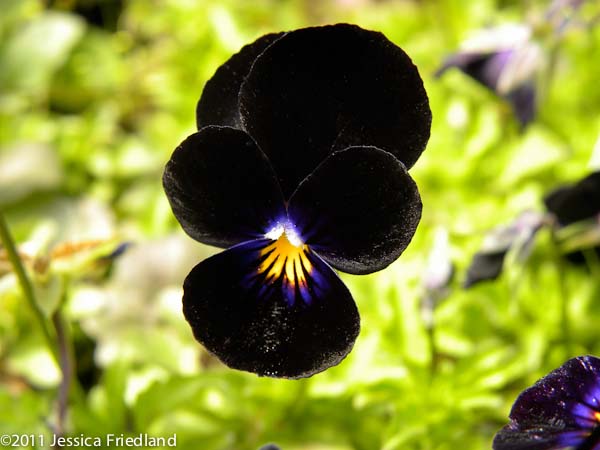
pixel 222 188
pixel 359 209
pixel 218 104
pixel 255 320
pixel 318 90
pixel 547 438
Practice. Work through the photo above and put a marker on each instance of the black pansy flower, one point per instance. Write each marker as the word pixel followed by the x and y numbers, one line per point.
pixel 519 236
pixel 506 61
pixel 560 411
pixel 577 211
pixel 300 165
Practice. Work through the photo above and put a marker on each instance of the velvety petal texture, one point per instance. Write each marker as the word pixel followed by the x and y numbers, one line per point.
pixel 222 188
pixel 218 104
pixel 322 89
pixel 359 209
pixel 562 410
pixel 267 316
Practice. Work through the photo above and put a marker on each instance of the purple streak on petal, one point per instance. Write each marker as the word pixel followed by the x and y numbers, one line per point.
pixel 572 438
pixel 584 415
pixel 495 65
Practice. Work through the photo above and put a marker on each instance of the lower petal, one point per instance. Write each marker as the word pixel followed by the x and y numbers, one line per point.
pixel 542 437
pixel 257 311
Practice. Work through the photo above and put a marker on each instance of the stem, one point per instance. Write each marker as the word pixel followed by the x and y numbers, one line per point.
pixel 433 351
pixel 26 286
pixel 564 304
pixel 67 366
pixel 428 318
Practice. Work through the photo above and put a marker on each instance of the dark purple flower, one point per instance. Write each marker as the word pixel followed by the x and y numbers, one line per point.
pixel 300 165
pixel 488 262
pixel 560 411
pixel 506 61
pixel 575 202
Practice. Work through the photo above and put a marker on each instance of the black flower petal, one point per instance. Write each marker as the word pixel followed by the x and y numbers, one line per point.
pixel 359 209
pixel 270 308
pixel 579 201
pixel 484 266
pixel 222 188
pixel 218 104
pixel 574 205
pixel 318 90
pixel 560 411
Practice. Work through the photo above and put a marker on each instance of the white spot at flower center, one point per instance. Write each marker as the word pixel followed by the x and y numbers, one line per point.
pixel 290 233
pixel 276 232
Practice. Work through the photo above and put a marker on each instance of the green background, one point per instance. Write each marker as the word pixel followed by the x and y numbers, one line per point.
pixel 89 115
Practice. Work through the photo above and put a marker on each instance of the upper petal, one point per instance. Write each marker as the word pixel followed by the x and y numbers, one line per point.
pixel 359 209
pixel 251 310
pixel 222 188
pixel 218 104
pixel 318 90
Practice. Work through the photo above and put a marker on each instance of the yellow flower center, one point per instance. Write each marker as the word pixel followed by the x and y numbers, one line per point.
pixel 285 258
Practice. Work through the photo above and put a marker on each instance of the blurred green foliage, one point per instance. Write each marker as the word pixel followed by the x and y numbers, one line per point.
pixel 94 97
